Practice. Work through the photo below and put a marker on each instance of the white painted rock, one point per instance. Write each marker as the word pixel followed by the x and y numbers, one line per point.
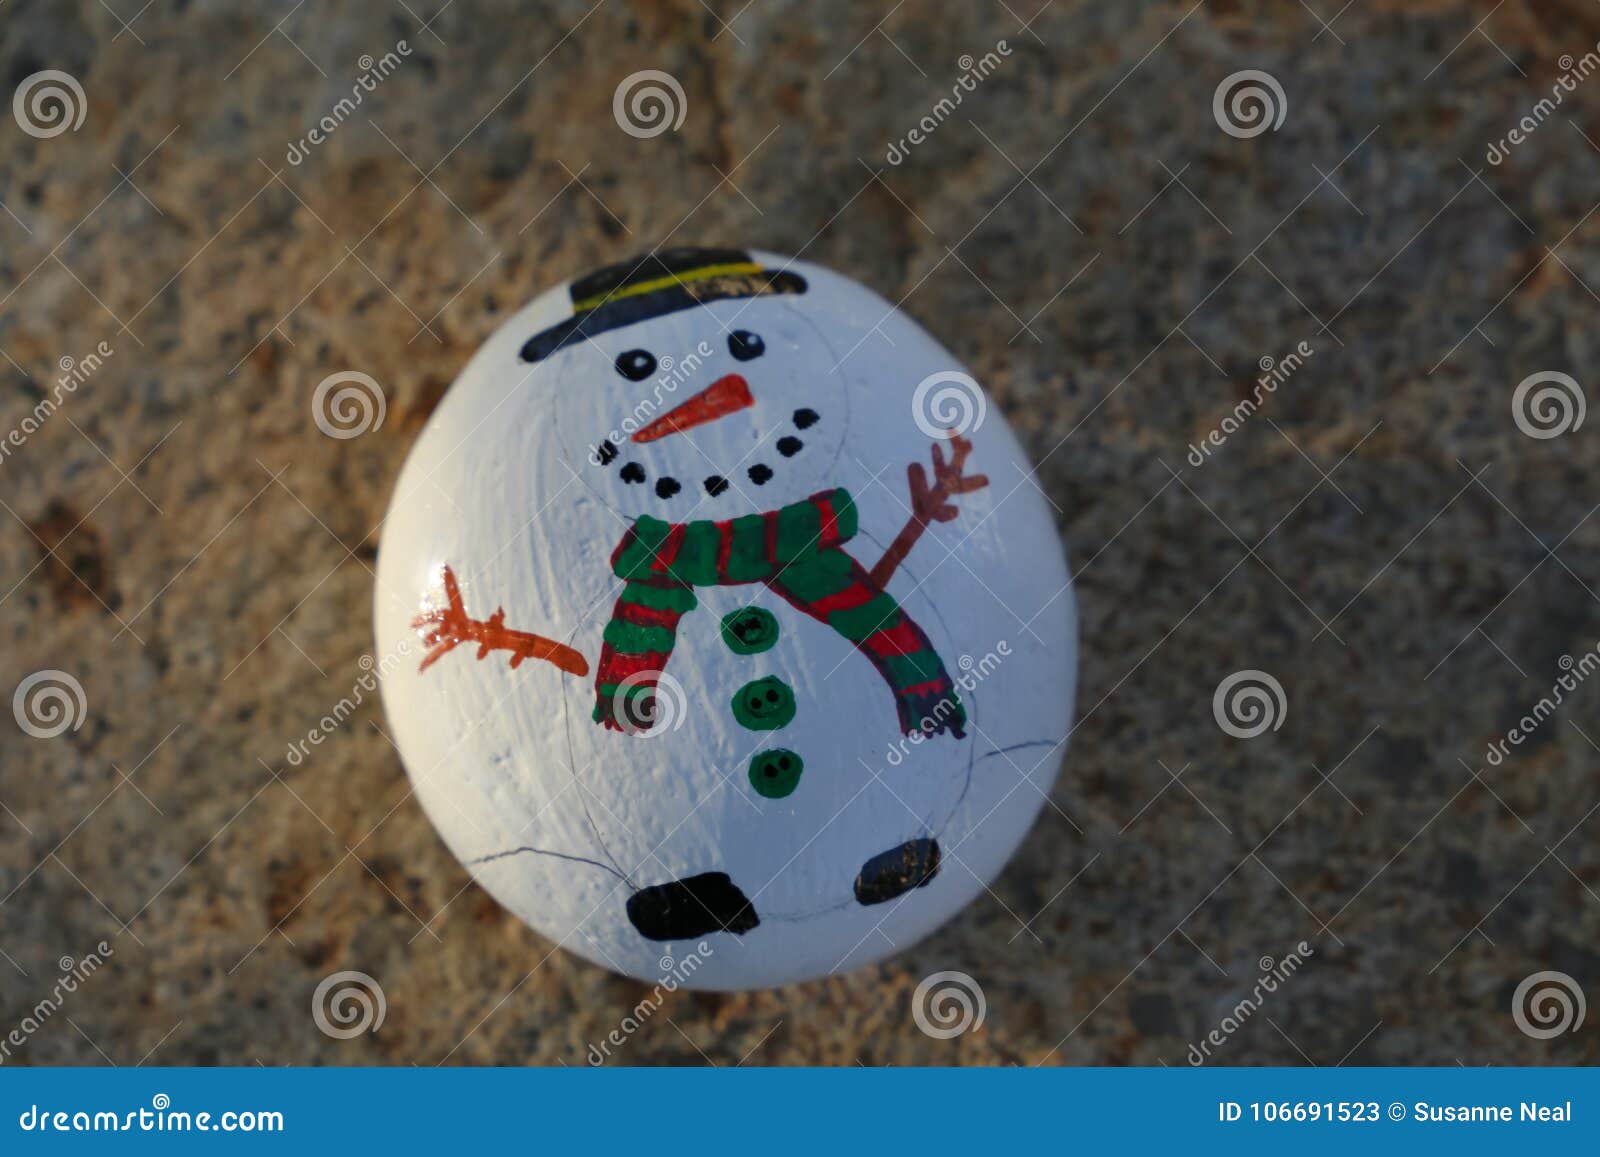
pixel 785 670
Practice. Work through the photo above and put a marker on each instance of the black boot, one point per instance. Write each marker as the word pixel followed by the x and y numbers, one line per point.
pixel 685 909
pixel 895 872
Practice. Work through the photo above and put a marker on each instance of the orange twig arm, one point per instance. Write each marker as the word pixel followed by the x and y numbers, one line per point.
pixel 929 503
pixel 445 628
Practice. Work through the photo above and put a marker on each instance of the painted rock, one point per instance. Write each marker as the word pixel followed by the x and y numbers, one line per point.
pixel 722 630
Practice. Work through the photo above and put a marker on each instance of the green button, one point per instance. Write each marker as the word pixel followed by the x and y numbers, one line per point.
pixel 776 773
pixel 749 630
pixel 764 705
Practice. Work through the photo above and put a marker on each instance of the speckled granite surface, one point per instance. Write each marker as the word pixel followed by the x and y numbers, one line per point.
pixel 1380 537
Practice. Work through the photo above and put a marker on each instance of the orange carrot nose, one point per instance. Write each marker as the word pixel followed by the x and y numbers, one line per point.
pixel 721 398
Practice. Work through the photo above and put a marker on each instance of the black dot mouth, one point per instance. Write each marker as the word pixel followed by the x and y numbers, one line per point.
pixel 715 485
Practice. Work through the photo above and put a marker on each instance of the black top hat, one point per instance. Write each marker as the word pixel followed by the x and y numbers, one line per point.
pixel 654 284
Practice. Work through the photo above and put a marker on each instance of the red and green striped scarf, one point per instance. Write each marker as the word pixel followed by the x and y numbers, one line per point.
pixel 796 551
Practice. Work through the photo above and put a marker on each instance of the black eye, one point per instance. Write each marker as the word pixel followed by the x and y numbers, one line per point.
pixel 636 365
pixel 745 345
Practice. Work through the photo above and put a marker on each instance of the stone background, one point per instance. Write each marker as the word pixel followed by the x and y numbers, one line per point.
pixel 1381 537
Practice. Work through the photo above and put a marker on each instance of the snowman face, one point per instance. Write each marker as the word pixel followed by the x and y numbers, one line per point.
pixel 709 413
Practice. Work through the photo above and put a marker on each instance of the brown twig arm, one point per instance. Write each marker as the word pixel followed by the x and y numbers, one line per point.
pixel 445 628
pixel 930 503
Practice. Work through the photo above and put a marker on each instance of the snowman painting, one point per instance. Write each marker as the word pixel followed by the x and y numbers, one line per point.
pixel 733 637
